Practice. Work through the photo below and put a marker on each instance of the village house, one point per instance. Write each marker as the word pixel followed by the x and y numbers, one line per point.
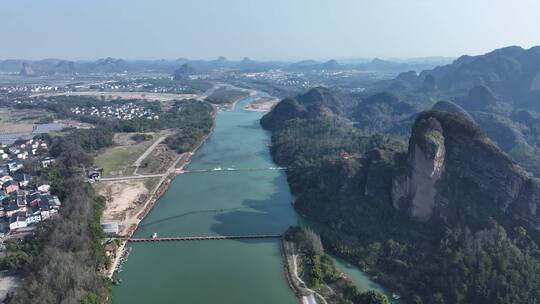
pixel 23 203
pixel 22 179
pixel 44 188
pixel 14 166
pixel 17 221
pixel 11 207
pixel 5 178
pixel 28 208
pixel 10 186
pixel 47 161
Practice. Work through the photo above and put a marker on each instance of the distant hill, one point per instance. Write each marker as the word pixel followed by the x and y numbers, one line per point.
pixel 115 65
pixel 376 64
pixel 512 73
pixel 184 72
pixel 317 102
pixel 376 113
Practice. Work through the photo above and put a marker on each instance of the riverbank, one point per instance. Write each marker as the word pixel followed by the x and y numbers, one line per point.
pixel 231 202
pixel 159 189
pixel 231 106
pixel 262 104
pixel 314 275
pixel 299 287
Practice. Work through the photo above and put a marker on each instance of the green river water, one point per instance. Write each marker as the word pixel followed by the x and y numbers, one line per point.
pixel 217 203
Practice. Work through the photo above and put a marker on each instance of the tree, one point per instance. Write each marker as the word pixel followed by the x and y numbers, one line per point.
pixel 313 242
pixel 15 261
pixel 371 297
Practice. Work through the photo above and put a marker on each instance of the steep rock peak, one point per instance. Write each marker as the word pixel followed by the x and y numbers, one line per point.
pixel 425 157
pixel 453 172
pixel 451 107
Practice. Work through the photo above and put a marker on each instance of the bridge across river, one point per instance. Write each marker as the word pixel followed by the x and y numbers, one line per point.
pixel 180 171
pixel 204 238
pixel 219 169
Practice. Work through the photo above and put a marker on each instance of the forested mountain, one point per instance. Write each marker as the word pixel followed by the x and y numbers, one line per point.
pixel 316 103
pixel 450 219
pixel 499 90
pixel 513 74
pixel 183 72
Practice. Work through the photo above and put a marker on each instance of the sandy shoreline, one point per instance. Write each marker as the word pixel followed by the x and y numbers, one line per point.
pixel 232 106
pixel 262 104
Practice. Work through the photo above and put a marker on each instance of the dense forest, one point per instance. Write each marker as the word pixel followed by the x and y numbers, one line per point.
pixel 191 122
pixel 343 186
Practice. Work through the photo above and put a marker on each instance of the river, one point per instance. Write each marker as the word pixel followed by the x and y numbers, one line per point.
pixel 216 203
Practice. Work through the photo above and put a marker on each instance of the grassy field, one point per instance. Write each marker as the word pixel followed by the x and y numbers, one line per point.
pixel 117 160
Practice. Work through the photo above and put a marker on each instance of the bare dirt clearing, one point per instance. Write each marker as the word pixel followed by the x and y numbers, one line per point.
pixel 123 197
pixel 20 120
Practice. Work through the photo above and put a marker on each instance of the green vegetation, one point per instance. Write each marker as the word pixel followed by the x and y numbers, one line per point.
pixel 226 95
pixel 319 270
pixel 141 137
pixel 482 258
pixel 69 247
pixel 191 122
pixel 120 158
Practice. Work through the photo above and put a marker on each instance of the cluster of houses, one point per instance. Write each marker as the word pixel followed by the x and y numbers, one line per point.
pixel 126 111
pixel 21 149
pixel 24 202
pixel 28 88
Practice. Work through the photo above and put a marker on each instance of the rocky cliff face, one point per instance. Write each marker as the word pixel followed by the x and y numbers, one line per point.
pixel 454 172
pixel 27 70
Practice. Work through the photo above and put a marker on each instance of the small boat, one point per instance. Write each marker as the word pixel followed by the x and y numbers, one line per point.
pixel 395 296
pixel 154 235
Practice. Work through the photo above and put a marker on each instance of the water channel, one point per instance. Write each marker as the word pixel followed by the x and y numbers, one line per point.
pixel 216 203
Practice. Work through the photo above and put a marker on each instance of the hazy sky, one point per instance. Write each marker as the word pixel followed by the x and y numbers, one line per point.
pixel 263 29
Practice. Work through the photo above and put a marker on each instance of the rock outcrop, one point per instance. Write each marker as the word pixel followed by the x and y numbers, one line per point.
pixel 27 70
pixel 453 172
pixel 451 107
